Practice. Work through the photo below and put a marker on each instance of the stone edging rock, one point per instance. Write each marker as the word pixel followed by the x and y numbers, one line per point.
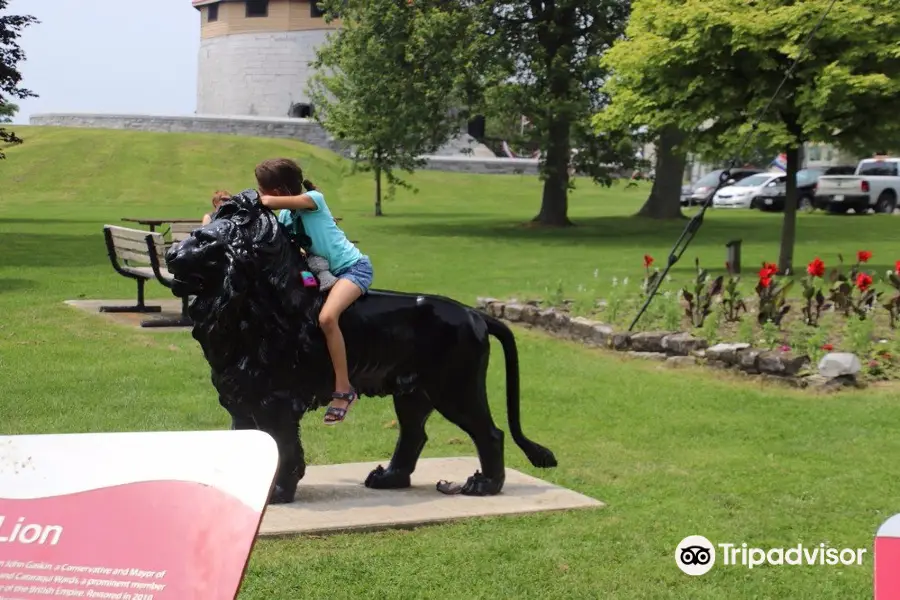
pixel 679 348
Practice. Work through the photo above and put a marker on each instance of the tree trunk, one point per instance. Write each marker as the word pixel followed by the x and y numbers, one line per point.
pixel 555 199
pixel 378 212
pixel 665 195
pixel 789 225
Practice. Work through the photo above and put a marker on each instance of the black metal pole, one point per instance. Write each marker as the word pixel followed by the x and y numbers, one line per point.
pixel 682 242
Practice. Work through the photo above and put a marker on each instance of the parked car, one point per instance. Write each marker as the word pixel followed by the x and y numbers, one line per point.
pixel 743 194
pixel 703 188
pixel 773 198
pixel 875 185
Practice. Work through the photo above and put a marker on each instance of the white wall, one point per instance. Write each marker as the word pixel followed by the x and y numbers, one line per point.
pixel 255 74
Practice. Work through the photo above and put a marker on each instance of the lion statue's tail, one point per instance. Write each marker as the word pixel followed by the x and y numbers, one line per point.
pixel 537 454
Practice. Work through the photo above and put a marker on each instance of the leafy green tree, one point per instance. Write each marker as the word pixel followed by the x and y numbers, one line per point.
pixel 664 201
pixel 389 82
pixel 11 54
pixel 8 111
pixel 709 66
pixel 551 51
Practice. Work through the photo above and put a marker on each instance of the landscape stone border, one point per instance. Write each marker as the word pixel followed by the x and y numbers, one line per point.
pixel 678 348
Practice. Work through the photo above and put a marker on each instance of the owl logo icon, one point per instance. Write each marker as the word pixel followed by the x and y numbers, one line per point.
pixel 695 555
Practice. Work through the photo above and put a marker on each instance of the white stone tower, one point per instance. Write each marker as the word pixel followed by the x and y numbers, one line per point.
pixel 255 56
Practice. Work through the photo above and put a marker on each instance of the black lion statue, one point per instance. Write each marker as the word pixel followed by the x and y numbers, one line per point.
pixel 257 324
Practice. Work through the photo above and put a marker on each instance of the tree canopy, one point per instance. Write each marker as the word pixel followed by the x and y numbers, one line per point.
pixel 11 55
pixel 544 64
pixel 8 111
pixel 709 66
pixel 404 66
pixel 388 82
pixel 718 62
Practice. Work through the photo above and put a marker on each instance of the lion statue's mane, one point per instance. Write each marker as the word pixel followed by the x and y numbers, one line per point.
pixel 257 325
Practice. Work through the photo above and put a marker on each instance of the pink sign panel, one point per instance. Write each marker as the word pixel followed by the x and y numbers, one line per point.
pixel 887 560
pixel 131 516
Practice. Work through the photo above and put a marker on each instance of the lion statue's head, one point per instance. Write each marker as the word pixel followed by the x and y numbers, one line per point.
pixel 243 241
pixel 252 315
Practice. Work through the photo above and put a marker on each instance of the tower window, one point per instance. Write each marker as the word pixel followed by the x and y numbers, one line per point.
pixel 257 8
pixel 212 13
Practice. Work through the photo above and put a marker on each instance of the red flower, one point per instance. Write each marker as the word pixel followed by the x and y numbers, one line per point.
pixel 765 281
pixel 863 256
pixel 897 267
pixel 816 268
pixel 767 272
pixel 785 348
pixel 863 281
pixel 648 260
pixel 828 347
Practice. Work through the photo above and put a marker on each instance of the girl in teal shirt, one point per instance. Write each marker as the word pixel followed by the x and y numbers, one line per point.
pixel 281 185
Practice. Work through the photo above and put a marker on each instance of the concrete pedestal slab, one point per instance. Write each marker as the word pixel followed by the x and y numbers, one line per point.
pixel 332 498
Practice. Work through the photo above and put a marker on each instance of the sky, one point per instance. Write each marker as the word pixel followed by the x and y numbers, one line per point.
pixel 109 56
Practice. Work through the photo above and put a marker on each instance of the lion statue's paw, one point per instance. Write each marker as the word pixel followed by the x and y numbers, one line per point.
pixel 387 479
pixel 476 485
pixel 281 495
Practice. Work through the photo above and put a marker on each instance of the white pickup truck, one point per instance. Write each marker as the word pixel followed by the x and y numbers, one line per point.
pixel 875 185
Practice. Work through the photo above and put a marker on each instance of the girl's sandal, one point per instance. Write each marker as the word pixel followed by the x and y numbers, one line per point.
pixel 334 415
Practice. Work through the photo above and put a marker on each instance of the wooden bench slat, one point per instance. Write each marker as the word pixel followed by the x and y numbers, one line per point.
pixel 161 247
pixel 124 233
pixel 146 272
pixel 135 246
pixel 133 256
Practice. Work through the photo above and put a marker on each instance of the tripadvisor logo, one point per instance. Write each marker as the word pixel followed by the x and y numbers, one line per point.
pixel 696 555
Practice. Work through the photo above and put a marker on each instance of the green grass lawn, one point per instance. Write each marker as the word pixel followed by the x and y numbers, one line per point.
pixel 673 453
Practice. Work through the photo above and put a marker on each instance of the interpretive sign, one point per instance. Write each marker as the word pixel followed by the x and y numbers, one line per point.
pixel 131 516
pixel 887 560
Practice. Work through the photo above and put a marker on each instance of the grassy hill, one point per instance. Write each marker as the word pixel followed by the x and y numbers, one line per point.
pixel 673 453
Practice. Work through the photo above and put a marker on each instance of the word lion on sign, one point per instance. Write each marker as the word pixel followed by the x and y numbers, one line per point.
pixel 32 533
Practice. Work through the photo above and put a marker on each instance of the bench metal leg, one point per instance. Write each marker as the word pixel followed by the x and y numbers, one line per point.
pixel 181 321
pixel 140 307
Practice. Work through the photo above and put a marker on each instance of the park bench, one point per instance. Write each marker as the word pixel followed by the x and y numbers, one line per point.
pixel 139 255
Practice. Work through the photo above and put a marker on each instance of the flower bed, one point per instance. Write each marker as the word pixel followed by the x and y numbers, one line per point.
pixel 830 326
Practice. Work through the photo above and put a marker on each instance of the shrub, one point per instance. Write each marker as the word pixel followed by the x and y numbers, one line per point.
pixel 699 302
pixel 733 301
